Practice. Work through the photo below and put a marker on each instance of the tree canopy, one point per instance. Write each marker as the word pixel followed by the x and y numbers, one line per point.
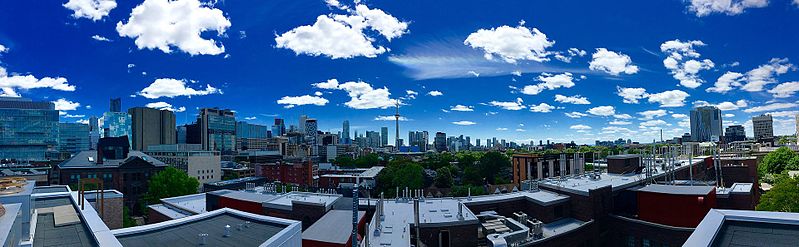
pixel 400 173
pixel 170 182
pixel 491 164
pixel 777 161
pixel 783 196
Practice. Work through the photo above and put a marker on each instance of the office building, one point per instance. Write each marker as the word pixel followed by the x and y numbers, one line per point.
pixel 345 132
pixel 301 124
pixel 440 142
pixel 706 124
pixel 251 136
pixel 116 124
pixel 373 139
pixel 94 132
pixel 28 130
pixel 734 133
pixel 763 128
pixel 73 137
pixel 151 127
pixel 217 129
pixel 115 105
pixel 311 135
pixel 190 158
pixel 383 136
pixel 477 142
pixel 279 128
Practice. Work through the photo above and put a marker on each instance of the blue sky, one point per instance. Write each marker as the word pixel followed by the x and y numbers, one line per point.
pixel 515 70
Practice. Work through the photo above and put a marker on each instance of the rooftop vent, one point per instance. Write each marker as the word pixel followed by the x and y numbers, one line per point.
pixel 227 230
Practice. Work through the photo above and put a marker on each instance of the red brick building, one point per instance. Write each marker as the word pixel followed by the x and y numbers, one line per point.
pixel 681 206
pixel 300 173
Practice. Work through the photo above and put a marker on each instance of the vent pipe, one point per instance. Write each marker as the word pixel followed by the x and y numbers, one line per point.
pixel 416 221
pixel 203 238
pixel 227 230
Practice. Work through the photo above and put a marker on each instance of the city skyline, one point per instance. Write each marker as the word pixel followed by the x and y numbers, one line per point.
pixel 634 77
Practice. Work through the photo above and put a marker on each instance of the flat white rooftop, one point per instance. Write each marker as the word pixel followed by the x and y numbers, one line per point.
pixel 284 201
pixel 399 217
pixel 194 203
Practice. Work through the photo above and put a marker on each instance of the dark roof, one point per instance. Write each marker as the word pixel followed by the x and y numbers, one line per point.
pixel 678 189
pixel 744 233
pixel 88 159
pixel 624 156
pixel 186 234
pixel 47 234
pixel 334 227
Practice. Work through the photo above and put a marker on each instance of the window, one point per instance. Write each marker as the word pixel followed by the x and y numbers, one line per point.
pixel 645 243
pixel 631 241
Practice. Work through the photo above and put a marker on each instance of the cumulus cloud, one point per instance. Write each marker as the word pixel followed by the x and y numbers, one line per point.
pixel 543 107
pixel 679 116
pixel 462 108
pixel 672 98
pixel 160 105
pixel 576 99
pixel 623 116
pixel 343 36
pixel 730 106
pixel 10 84
pixel 549 82
pixel 764 74
pixel 170 88
pixel 435 93
pixel 362 94
pixel 682 61
pixel 575 114
pixel 651 114
pixel 3 48
pixel 727 82
pixel 729 7
pixel 771 107
pixel 464 123
pixel 65 105
pixel 158 24
pixel 602 111
pixel 390 118
pixel 631 95
pixel 567 56
pixel 90 9
pixel 785 90
pixel 652 123
pixel 100 38
pixel 502 129
pixel 619 122
pixel 511 43
pixel 509 105
pixel 292 101
pixel 613 63
pixel 580 127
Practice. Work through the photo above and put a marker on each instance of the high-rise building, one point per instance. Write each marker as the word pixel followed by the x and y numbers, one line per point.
pixel 217 130
pixel 734 133
pixel 116 105
pixel 311 135
pixel 94 132
pixel 441 142
pixel 303 118
pixel 73 137
pixel 151 127
pixel 116 124
pixel 345 132
pixel 706 124
pixel 373 139
pixel 763 128
pixel 279 128
pixel 251 136
pixel 383 136
pixel 468 143
pixel 477 142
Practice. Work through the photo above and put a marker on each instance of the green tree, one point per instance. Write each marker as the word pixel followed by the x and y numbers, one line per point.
pixel 491 164
pixel 443 178
pixel 170 182
pixel 463 190
pixel 471 176
pixel 783 197
pixel 344 161
pixel 127 221
pixel 776 161
pixel 366 161
pixel 400 173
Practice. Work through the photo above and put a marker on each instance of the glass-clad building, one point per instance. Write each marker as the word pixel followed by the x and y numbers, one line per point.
pixel 73 137
pixel 116 124
pixel 28 129
pixel 217 130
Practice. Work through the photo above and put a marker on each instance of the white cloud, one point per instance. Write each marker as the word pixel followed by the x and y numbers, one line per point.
pixel 543 107
pixel 509 105
pixel 343 36
pixel 783 113
pixel 576 99
pixel 729 115
pixel 623 116
pixel 472 72
pixel 511 43
pixel 390 118
pixel 100 38
pixel 5 49
pixel 612 62
pixel 785 90
pixel 651 114
pixel 329 84
pixel 464 123
pixel 679 116
pixel 729 7
pixel 730 106
pixel 550 82
pixel 462 108
pixel 65 105
pixel 10 84
pixel 90 9
pixel 170 88
pixel 502 129
pixel 179 23
pixel 435 93
pixel 764 74
pixel 292 101
pixel 726 82
pixel 619 122
pixel 771 107
pixel 165 106
pixel 603 111
pixel 362 94
pixel 615 129
pixel 74 116
pixel 575 114
pixel 580 127
pixel 653 123
pixel 673 98
pixel 82 121
pixel 682 61
pixel 567 56
pixel 250 118
pixel 631 95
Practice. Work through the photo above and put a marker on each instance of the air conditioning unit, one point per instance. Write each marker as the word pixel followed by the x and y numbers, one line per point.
pixel 536 228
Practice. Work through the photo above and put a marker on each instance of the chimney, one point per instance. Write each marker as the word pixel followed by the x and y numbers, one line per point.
pixel 99 158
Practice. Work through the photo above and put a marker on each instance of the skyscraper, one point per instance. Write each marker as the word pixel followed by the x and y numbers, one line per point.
pixel 28 130
pixel 734 133
pixel 116 105
pixel 279 128
pixel 383 136
pixel 301 124
pixel 73 137
pixel 345 132
pixel 217 129
pixel 477 142
pixel 706 123
pixel 763 128
pixel 151 127
pixel 116 124
pixel 441 142
pixel 311 137
pixel 94 132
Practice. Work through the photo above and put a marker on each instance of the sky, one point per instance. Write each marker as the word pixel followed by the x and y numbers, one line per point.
pixel 517 70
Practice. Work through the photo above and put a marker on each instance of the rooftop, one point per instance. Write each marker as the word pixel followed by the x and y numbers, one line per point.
pixel 88 159
pixel 746 228
pixel 678 190
pixel 284 202
pixel 332 227
pixel 61 226
pixel 235 181
pixel 399 217
pixel 194 203
pixel 51 189
pixel 246 229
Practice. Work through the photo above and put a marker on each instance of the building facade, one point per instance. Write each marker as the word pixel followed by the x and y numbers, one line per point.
pixel 151 127
pixel 763 128
pixel 190 158
pixel 706 124
pixel 28 129
pixel 73 137
pixel 116 124
pixel 441 142
pixel 217 130
pixel 734 133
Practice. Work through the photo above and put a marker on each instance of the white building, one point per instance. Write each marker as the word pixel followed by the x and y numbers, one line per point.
pixel 191 158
